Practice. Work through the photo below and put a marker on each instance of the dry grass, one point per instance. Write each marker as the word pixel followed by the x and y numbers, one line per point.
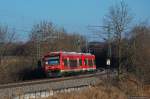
pixel 99 92
pixel 120 90
pixel 13 69
pixel 132 87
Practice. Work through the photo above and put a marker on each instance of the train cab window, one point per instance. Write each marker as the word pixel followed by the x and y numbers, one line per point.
pixel 52 60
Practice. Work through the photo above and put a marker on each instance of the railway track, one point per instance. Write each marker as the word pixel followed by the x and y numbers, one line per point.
pixel 39 81
pixel 10 85
pixel 23 88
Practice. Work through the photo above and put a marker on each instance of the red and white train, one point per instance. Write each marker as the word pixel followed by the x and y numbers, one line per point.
pixel 64 63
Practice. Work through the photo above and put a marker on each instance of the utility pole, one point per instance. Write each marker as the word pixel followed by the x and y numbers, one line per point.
pixel 41 38
pixel 38 43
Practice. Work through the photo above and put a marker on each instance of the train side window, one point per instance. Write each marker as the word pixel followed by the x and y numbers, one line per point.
pixel 86 62
pixel 73 63
pixel 94 62
pixel 68 62
pixel 65 63
pixel 80 62
pixel 90 62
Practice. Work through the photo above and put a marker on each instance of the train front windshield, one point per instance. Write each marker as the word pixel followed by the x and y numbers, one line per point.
pixel 53 60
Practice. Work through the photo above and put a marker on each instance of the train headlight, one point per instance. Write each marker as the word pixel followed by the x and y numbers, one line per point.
pixel 46 63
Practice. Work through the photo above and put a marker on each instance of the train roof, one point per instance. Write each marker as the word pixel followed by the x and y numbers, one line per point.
pixel 67 53
pixel 76 53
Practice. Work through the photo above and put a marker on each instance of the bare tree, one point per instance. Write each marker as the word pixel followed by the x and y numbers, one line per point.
pixel 6 38
pixel 140 53
pixel 6 45
pixel 46 37
pixel 118 19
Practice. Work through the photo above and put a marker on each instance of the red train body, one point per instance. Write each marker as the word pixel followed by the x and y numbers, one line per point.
pixel 64 63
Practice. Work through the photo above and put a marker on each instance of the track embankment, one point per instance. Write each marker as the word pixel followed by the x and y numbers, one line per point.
pixel 48 86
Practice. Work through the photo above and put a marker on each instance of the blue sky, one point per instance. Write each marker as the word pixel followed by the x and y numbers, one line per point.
pixel 73 15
